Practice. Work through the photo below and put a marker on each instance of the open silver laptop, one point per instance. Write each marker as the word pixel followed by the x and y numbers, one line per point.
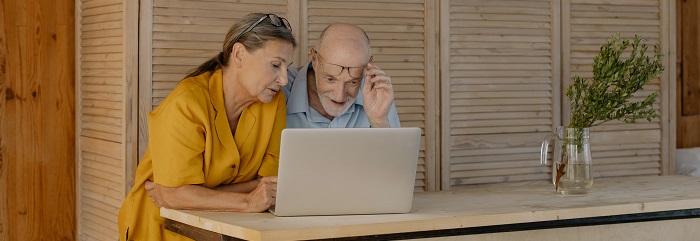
pixel 346 171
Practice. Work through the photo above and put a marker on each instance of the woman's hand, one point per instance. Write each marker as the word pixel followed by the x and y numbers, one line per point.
pixel 155 193
pixel 263 196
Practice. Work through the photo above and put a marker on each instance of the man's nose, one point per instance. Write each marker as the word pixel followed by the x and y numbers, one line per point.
pixel 339 92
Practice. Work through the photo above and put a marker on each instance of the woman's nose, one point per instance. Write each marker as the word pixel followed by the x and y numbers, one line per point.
pixel 282 79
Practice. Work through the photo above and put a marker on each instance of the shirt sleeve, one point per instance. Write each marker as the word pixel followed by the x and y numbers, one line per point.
pixel 271 160
pixel 177 141
pixel 393 117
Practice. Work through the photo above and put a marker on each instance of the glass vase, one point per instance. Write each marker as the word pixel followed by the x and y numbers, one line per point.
pixel 571 160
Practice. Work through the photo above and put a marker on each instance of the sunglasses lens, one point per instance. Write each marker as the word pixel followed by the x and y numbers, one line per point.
pixel 286 24
pixel 275 20
pixel 279 21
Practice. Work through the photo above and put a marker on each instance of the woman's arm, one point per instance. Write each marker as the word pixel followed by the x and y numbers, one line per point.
pixel 244 187
pixel 195 197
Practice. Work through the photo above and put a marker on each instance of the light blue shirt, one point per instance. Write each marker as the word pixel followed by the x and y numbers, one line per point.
pixel 301 115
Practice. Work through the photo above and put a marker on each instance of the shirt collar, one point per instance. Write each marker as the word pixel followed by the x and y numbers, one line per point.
pixel 216 89
pixel 299 98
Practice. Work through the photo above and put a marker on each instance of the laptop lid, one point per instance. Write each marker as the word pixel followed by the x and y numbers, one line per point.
pixel 346 171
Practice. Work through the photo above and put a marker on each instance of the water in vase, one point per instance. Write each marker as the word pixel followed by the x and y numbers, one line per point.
pixel 576 180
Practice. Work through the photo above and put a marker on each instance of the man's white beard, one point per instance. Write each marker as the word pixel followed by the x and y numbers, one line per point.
pixel 330 107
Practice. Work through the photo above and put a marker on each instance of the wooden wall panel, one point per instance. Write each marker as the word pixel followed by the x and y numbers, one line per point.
pixel 688 78
pixel 619 149
pixel 500 92
pixel 37 138
pixel 399 35
pixel 106 92
pixel 690 91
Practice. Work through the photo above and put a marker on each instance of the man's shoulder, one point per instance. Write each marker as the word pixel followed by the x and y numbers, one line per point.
pixel 292 75
pixel 293 72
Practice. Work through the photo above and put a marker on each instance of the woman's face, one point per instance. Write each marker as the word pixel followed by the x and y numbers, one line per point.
pixel 265 69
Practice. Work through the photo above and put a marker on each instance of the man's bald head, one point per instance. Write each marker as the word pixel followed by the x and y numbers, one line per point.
pixel 342 37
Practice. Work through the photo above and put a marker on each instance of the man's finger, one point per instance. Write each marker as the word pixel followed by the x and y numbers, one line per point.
pixel 380 79
pixel 385 86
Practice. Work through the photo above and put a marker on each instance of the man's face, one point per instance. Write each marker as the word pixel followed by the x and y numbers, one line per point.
pixel 339 74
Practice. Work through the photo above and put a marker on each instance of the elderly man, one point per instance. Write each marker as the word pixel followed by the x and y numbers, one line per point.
pixel 340 87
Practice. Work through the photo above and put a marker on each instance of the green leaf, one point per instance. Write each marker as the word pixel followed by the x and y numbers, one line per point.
pixel 615 80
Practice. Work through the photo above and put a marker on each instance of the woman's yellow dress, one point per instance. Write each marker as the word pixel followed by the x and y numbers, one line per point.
pixel 190 142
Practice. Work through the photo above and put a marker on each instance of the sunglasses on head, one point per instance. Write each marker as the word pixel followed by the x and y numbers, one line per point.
pixel 276 21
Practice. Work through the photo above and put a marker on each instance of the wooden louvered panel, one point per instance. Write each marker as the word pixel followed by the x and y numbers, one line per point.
pixel 102 177
pixel 188 33
pixel 101 72
pixel 591 23
pixel 398 37
pixel 501 95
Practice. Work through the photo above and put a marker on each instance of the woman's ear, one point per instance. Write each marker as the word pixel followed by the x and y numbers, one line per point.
pixel 237 54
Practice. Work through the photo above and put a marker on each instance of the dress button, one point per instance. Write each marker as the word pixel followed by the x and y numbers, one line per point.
pixel 233 166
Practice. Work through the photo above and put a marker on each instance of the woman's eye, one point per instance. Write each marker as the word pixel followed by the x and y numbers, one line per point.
pixel 276 66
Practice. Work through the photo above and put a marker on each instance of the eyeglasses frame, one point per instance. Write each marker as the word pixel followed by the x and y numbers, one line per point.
pixel 318 55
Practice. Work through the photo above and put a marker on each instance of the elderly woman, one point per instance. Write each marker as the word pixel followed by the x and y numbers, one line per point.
pixel 215 139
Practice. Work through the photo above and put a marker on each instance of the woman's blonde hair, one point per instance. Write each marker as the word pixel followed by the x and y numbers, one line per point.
pixel 253 40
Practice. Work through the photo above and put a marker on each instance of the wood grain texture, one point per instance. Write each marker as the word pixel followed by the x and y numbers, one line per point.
pixel 37 131
pixel 688 74
pixel 690 86
pixel 5 96
pixel 131 97
pixel 474 206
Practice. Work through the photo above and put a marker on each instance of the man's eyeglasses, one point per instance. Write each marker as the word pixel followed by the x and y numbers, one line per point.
pixel 335 70
pixel 277 21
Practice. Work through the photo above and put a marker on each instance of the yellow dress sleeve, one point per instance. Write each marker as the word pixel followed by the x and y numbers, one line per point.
pixel 271 159
pixel 177 141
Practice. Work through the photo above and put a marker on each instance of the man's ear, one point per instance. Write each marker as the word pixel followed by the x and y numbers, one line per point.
pixel 238 52
pixel 312 52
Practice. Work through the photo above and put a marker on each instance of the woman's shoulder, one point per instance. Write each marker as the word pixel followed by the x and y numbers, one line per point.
pixel 191 91
pixel 196 85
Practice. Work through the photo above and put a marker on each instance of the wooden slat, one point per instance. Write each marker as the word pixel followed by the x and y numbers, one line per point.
pixel 100 224
pixel 102 190
pixel 97 211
